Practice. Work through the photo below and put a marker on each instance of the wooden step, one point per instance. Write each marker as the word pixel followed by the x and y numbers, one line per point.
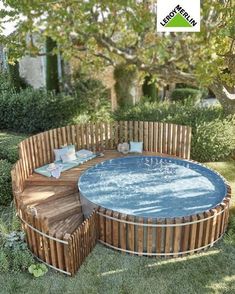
pixel 35 195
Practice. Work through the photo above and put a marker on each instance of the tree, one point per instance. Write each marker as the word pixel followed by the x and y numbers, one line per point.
pixel 52 77
pixel 110 32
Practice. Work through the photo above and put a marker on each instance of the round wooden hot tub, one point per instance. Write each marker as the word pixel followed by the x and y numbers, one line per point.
pixel 156 206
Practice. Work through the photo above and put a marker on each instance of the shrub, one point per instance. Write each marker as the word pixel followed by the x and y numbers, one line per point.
pixel 5 182
pixel 212 133
pixel 186 95
pixel 92 98
pixel 9 146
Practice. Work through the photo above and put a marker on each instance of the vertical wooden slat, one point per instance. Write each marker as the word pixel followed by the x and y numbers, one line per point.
pixel 136 131
pixel 169 139
pixel 150 236
pixel 174 139
pixel 193 231
pixel 206 229
pixel 160 137
pixel 131 234
pixel 130 131
pixel 177 236
pixel 159 236
pixel 213 225
pixel 115 230
pixel 185 235
pixel 179 141
pixel 155 128
pixel 146 136
pixel 164 139
pixel 151 147
pixel 199 231
pixel 140 238
pixel 52 146
pixel 108 227
pixel 102 222
pixel 123 228
pixel 168 237
pixel 106 131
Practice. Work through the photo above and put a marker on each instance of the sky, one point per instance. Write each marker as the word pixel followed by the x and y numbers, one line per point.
pixel 9 26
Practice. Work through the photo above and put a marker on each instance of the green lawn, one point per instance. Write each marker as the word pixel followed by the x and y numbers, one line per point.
pixel 107 271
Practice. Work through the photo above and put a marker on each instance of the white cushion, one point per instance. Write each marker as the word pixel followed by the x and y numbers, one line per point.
pixel 68 156
pixel 136 147
pixel 83 153
pixel 59 152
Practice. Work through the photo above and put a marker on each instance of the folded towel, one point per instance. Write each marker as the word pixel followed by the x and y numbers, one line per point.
pixel 83 153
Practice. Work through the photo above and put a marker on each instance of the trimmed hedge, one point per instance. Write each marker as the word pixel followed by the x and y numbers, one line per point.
pixel 213 134
pixel 5 182
pixel 9 145
pixel 186 95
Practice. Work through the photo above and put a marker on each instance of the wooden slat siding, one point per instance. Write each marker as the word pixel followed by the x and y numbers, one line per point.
pixel 199 231
pixel 159 236
pixel 168 237
pixel 213 225
pixel 109 227
pixel 73 136
pixel 185 235
pixel 141 131
pixel 140 237
pixel 146 126
pixel 22 156
pixel 60 250
pixel 151 140
pixel 181 148
pixel 218 223
pixel 28 229
pixel 64 137
pixel 82 130
pixel 136 131
pixel 86 136
pixel 185 141
pixel 206 229
pixel 59 137
pixel 193 232
pixel 39 238
pixel 169 139
pixel 188 143
pixel 98 136
pixel 227 202
pixel 39 147
pixel 115 230
pixel 101 127
pixel 68 135
pixel 46 242
pixel 78 137
pixel 102 228
pixel 174 139
pixel 44 150
pixel 179 141
pixel 54 260
pixel 29 157
pixel 106 136
pixel 121 131
pixel 123 228
pixel 130 131
pixel 55 139
pixel 160 137
pixel 131 234
pixel 155 135
pixel 68 253
pixel 92 136
pixel 31 146
pixel 164 139
pixel 52 147
pixel 34 239
pixel 223 216
pixel 47 146
pixel 111 134
pixel 117 135
pixel 150 236
pixel 177 237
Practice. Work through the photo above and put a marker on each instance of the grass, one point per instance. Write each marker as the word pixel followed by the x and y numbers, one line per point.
pixel 107 271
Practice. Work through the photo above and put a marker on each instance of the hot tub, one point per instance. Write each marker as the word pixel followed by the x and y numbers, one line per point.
pixel 151 205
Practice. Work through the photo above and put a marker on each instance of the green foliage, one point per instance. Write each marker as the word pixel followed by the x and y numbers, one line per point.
pixel 186 95
pixel 32 111
pixel 93 99
pixel 149 89
pixel 212 132
pixel 124 76
pixel 38 270
pixel 214 140
pixel 14 75
pixel 9 145
pixel 52 78
pixel 4 263
pixel 230 235
pixel 5 182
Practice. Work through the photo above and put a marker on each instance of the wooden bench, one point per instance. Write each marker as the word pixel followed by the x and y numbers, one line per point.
pixel 50 209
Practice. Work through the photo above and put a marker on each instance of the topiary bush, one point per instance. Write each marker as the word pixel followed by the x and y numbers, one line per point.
pixel 186 95
pixel 213 136
pixel 5 182
pixel 9 145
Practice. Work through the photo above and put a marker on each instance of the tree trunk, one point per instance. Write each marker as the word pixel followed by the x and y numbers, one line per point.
pixel 226 99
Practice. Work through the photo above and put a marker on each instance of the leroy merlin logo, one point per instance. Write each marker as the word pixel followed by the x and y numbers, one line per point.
pixel 178 17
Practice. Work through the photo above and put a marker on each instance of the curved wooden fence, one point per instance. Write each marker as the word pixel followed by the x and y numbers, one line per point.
pixel 66 254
